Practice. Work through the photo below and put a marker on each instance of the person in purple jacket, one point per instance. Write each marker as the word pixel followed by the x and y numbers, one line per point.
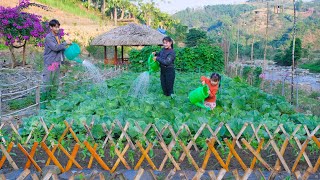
pixel 53 52
pixel 166 59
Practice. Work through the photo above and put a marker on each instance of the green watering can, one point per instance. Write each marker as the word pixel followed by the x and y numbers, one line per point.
pixel 153 65
pixel 72 53
pixel 198 96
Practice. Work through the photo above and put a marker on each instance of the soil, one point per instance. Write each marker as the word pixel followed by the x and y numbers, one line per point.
pixel 268 155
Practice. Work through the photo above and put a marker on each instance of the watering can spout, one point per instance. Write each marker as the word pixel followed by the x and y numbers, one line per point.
pixel 72 53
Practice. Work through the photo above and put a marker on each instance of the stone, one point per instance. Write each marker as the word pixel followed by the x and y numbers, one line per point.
pixel 54 169
pixel 14 174
pixel 66 175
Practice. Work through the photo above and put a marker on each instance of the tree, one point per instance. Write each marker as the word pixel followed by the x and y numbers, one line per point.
pixel 18 27
pixel 287 58
pixel 195 36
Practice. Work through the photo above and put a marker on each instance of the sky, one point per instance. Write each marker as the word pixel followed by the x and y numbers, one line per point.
pixel 176 5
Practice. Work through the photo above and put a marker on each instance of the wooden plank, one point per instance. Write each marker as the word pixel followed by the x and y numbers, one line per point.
pixel 193 162
pixel 193 140
pixel 139 174
pixel 170 174
pixel 198 175
pixel 183 155
pixel 121 158
pixel 235 154
pixel 206 159
pixel 15 130
pixel 304 146
pixel 51 155
pixel 33 151
pixel 238 135
pixel 69 156
pixel 2 177
pixel 59 141
pixel 214 134
pixel 72 132
pixel 304 153
pixel 34 176
pixel 247 173
pixel 316 166
pixel 108 132
pixel 144 155
pixel 216 154
pixel 73 155
pixel 91 157
pixel 47 176
pixel 29 157
pixel 24 174
pixel 212 175
pixel 221 174
pixel 164 147
pixel 255 132
pixel 3 159
pixel 47 134
pixel 5 152
pixel 230 154
pixel 96 156
pixel 143 133
pixel 276 149
pixel 171 145
pixel 124 133
pixel 256 154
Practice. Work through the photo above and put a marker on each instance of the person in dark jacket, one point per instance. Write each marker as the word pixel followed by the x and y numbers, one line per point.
pixel 166 59
pixel 53 52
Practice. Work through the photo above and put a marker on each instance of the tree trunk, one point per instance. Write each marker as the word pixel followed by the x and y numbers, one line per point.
pixel 266 42
pixel 24 54
pixel 89 3
pixel 13 58
pixel 103 7
pixel 115 16
pixel 122 13
pixel 97 4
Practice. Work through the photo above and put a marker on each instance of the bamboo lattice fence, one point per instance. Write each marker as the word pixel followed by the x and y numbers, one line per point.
pixel 29 85
pixel 166 139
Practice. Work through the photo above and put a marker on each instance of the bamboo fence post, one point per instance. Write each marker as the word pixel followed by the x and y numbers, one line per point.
pixel 5 152
pixel 0 104
pixel 38 96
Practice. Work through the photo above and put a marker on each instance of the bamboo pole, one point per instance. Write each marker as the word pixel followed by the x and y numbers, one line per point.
pixel 293 49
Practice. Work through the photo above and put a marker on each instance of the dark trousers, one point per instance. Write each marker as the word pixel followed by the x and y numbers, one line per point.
pixel 167 80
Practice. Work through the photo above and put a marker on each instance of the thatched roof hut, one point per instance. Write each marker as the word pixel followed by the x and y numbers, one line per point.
pixel 128 35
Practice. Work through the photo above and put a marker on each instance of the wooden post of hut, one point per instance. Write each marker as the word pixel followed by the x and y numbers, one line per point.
pixel 122 54
pixel 105 55
pixel 115 61
pixel 135 35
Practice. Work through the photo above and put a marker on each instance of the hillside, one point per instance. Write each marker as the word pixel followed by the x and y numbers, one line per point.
pixel 79 28
pixel 221 18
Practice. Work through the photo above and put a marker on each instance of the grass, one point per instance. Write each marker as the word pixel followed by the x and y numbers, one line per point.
pixel 72 7
pixel 313 67
pixel 3 47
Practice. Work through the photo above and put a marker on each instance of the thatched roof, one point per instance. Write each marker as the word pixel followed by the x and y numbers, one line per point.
pixel 129 35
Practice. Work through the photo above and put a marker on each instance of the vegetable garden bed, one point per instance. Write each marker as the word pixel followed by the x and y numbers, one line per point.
pixel 116 130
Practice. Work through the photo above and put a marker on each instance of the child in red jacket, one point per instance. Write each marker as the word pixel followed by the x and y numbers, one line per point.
pixel 213 83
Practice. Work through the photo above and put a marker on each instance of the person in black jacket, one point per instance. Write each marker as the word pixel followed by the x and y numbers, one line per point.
pixel 166 59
